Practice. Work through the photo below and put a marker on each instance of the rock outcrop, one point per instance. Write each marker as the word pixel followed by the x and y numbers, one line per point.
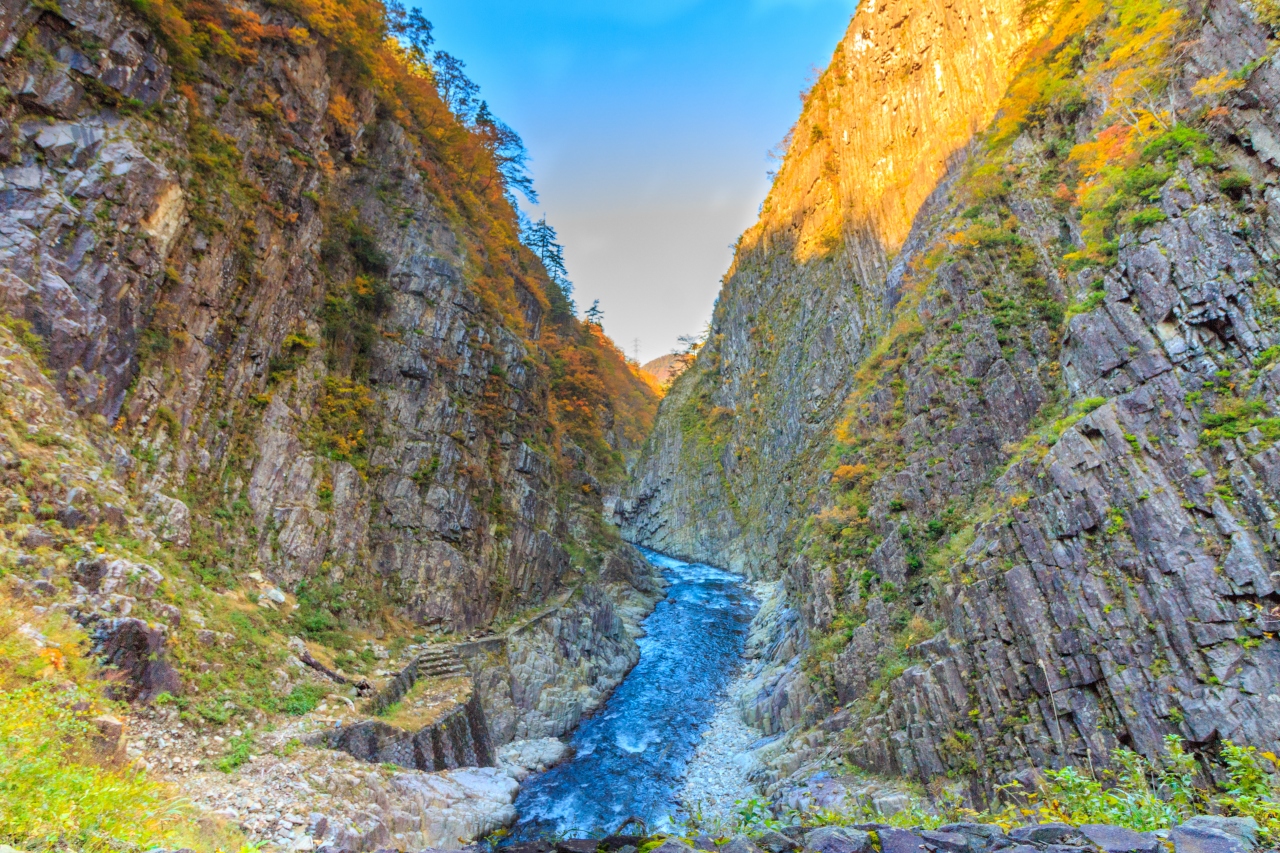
pixel 321 342
pixel 541 678
pixel 815 280
pixel 1014 468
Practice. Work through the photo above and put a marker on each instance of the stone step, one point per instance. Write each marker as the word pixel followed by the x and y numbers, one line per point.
pixel 440 662
pixel 442 672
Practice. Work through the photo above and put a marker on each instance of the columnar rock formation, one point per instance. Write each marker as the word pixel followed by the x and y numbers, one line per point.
pixel 1015 466
pixel 814 281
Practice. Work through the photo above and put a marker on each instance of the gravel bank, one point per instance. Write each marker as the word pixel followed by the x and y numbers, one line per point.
pixel 716 777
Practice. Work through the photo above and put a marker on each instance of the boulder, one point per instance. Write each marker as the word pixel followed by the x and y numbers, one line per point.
pixel 776 842
pixel 1046 833
pixel 1194 839
pixel 900 841
pixel 672 845
pixel 947 842
pixel 109 740
pixel 740 844
pixel 837 839
pixel 981 836
pixel 1243 828
pixel 135 652
pixel 1118 839
pixel 522 757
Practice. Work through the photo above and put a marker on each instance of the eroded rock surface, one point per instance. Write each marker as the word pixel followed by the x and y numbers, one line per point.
pixel 1017 489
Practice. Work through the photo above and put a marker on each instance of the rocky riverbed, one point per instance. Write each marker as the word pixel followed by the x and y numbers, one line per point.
pixel 1202 834
pixel 632 754
pixel 717 775
pixel 295 797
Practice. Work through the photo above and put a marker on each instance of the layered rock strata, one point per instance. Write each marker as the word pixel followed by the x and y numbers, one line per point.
pixel 1029 518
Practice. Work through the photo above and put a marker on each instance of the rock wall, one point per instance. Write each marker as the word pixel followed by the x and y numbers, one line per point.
pixel 324 349
pixel 541 679
pixel 460 738
pixel 814 282
pixel 1033 519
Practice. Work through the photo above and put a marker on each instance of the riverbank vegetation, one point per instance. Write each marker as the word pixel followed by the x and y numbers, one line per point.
pixel 1132 792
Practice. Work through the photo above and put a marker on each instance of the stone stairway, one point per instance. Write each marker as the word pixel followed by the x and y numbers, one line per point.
pixel 440 661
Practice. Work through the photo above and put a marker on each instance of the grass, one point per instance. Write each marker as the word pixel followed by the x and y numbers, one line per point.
pixel 239 750
pixel 303 699
pixel 53 793
pixel 56 791
pixel 427 702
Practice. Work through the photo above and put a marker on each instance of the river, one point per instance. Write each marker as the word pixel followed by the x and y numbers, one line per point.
pixel 630 755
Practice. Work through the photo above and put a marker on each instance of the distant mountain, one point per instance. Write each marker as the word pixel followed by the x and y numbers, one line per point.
pixel 664 368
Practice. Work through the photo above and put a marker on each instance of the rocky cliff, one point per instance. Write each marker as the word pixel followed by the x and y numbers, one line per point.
pixel 284 395
pixel 254 244
pixel 1013 462
pixel 815 280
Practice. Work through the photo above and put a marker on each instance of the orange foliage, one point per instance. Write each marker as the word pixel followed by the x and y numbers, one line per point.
pixel 1113 145
pixel 850 476
pixel 341 111
pixel 593 388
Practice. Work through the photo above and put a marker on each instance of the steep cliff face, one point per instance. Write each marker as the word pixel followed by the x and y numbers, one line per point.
pixel 255 244
pixel 814 282
pixel 1042 524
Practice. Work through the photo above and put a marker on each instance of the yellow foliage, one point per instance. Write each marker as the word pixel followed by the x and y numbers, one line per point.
pixel 1216 86
pixel 342 113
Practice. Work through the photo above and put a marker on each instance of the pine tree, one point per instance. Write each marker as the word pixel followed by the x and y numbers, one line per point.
pixel 508 152
pixel 413 30
pixel 595 315
pixel 457 90
pixel 541 239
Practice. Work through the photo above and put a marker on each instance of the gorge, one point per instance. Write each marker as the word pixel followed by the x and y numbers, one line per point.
pixel 321 506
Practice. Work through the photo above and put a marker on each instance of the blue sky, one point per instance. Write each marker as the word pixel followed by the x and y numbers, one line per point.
pixel 648 123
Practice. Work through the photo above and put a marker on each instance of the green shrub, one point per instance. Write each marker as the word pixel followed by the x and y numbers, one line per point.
pixel 1234 184
pixel 238 751
pixel 1146 217
pixel 303 699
